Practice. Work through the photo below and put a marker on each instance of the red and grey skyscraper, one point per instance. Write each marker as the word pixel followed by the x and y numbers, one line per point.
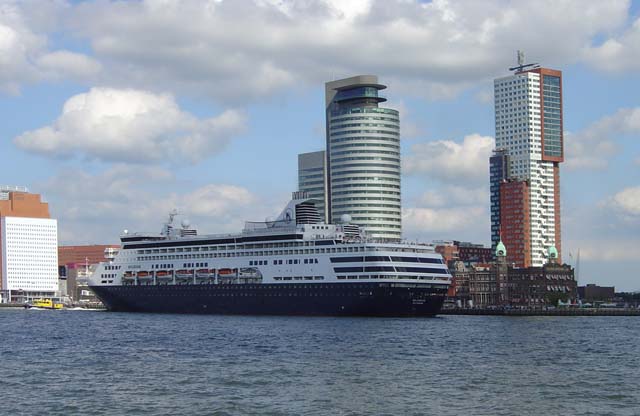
pixel 524 170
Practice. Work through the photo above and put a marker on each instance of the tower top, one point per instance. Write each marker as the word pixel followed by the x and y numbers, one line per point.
pixel 521 65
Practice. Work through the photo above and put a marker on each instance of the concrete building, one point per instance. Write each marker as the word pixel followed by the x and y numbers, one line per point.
pixel 363 157
pixel 529 139
pixel 312 179
pixel 28 247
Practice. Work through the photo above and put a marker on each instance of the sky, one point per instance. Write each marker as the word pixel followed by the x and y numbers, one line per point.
pixel 119 111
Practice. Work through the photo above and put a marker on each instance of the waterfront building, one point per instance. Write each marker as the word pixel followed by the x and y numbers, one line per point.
pixel 363 157
pixel 501 284
pixel 312 179
pixel 464 251
pixel 529 140
pixel 592 293
pixel 75 266
pixel 89 254
pixel 28 246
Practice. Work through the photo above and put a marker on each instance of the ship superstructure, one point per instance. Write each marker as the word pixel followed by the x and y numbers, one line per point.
pixel 293 265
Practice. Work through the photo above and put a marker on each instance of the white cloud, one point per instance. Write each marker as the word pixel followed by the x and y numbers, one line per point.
pixel 627 201
pixel 95 208
pixel 241 49
pixel 131 125
pixel 24 52
pixel 593 147
pixel 453 195
pixel 449 221
pixel 621 53
pixel 68 64
pixel 452 162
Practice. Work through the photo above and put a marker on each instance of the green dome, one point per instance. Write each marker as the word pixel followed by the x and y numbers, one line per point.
pixel 553 252
pixel 501 250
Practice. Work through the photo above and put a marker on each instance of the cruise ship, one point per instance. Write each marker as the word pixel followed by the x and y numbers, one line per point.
pixel 294 265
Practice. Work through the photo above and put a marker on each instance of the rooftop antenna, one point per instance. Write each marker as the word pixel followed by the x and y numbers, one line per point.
pixel 521 65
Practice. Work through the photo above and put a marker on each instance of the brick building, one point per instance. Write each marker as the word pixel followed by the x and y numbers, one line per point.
pixel 501 284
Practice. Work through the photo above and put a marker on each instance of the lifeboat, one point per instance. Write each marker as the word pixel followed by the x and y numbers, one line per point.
pixel 163 274
pixel 226 272
pixel 143 275
pixel 184 274
pixel 202 273
pixel 129 275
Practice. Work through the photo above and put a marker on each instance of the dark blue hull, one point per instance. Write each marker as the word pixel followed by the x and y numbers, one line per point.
pixel 329 299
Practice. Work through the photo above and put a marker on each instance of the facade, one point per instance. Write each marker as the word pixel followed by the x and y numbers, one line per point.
pixel 538 286
pixel 473 253
pixel 77 278
pixel 28 247
pixel 89 254
pixel 363 157
pixel 312 179
pixel 528 122
pixel 515 222
pixel 498 173
pixel 593 293
pixel 501 284
pixel 466 252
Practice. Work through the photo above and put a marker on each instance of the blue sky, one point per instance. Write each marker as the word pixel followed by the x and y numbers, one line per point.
pixel 119 111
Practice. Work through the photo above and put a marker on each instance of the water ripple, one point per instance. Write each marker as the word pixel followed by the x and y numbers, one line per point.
pixel 67 362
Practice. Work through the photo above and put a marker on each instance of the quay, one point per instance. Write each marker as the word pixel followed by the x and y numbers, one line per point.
pixel 542 312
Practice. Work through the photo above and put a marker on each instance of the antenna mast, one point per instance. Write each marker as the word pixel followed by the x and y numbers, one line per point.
pixel 521 65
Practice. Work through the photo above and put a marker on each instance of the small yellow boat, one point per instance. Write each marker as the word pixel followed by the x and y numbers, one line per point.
pixel 44 304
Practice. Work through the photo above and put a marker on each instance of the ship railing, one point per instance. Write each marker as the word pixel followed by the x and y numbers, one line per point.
pixel 270 227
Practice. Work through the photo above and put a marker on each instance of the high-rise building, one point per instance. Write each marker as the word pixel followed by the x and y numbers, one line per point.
pixel 363 157
pixel 28 246
pixel 528 120
pixel 498 173
pixel 312 178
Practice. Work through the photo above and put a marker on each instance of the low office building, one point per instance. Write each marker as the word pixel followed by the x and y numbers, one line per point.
pixel 595 293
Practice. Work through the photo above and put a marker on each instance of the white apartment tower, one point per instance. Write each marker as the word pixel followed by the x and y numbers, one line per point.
pixel 528 122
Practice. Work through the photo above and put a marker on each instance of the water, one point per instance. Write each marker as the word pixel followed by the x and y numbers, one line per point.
pixel 82 362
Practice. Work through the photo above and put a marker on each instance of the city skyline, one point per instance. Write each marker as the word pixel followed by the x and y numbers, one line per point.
pixel 218 138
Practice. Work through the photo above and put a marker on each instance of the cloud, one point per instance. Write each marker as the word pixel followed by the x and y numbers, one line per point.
pixel 453 195
pixel 593 147
pixel 241 50
pixel 24 46
pixel 97 207
pixel 452 162
pixel 627 201
pixel 450 221
pixel 68 64
pixel 617 54
pixel 131 125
